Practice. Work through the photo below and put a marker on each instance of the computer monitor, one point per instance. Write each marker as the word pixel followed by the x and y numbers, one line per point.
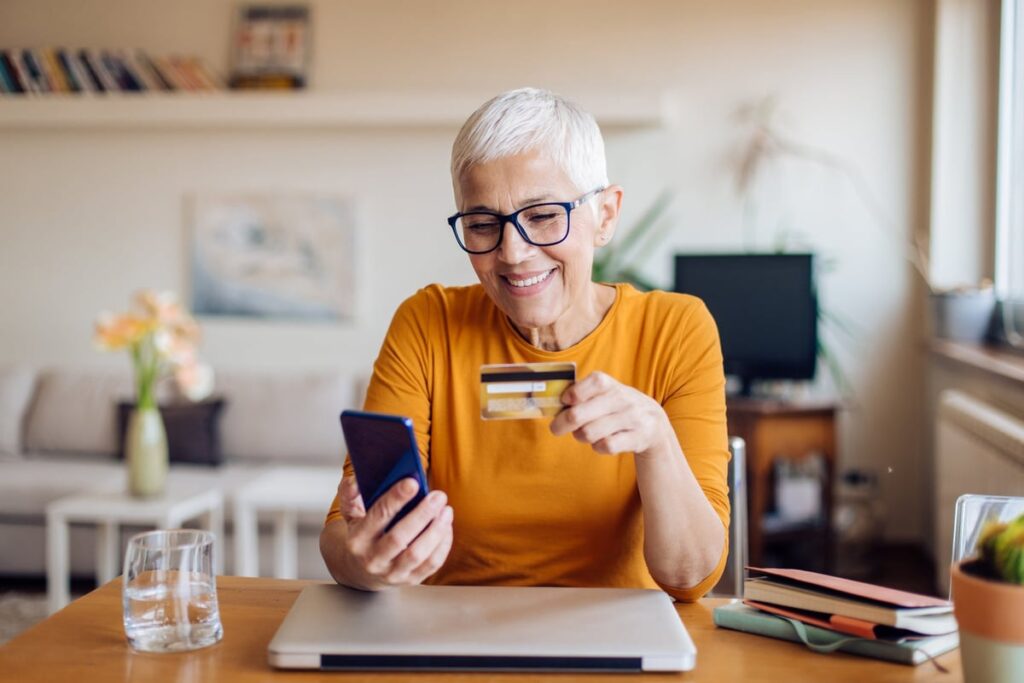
pixel 766 309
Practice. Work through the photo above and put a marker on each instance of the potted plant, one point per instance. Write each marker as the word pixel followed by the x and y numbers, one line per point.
pixel 988 600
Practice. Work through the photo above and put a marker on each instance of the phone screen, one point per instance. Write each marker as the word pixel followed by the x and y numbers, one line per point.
pixel 383 451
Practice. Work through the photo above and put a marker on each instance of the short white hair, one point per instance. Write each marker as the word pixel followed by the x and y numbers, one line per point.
pixel 528 120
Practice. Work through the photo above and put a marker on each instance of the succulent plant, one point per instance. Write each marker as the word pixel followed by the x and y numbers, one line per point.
pixel 1001 547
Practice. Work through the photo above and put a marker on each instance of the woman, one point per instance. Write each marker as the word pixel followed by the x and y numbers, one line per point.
pixel 626 486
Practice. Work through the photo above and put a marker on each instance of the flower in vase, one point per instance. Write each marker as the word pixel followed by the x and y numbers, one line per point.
pixel 161 337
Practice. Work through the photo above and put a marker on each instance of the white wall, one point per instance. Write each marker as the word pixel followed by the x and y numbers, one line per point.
pixel 87 216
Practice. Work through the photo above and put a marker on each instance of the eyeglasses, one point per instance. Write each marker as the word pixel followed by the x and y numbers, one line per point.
pixel 541 225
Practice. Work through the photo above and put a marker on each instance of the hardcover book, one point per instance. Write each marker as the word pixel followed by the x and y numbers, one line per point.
pixel 739 617
pixel 832 595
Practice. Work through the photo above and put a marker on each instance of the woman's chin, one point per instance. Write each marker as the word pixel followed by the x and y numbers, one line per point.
pixel 528 314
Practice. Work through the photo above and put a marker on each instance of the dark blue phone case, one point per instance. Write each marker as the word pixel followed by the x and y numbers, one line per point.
pixel 383 451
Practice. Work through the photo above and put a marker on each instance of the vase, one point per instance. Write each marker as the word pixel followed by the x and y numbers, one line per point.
pixel 146 452
pixel 988 613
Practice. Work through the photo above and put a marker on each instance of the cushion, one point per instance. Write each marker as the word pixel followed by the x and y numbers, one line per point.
pixel 16 385
pixel 73 411
pixel 193 430
pixel 284 417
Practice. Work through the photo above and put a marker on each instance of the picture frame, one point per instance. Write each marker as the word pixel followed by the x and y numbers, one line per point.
pixel 273 256
pixel 271 47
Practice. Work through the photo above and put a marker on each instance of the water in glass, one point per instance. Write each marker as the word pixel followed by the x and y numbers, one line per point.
pixel 170 593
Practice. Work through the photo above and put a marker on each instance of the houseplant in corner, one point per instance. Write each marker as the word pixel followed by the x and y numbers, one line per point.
pixel 988 599
pixel 161 338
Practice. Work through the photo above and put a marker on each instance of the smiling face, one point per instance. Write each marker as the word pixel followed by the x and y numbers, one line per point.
pixel 543 290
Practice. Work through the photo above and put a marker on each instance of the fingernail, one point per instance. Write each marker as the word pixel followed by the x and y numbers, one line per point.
pixel 409 487
pixel 448 513
pixel 437 499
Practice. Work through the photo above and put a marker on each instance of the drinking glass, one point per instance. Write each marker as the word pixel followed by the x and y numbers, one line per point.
pixel 170 591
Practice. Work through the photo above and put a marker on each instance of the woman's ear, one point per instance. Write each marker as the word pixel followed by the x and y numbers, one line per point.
pixel 609 204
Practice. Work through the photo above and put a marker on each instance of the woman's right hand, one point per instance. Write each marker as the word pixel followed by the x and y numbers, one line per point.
pixel 412 550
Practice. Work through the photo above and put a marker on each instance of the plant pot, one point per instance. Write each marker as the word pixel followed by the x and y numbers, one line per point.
pixel 990 615
pixel 146 453
pixel 962 315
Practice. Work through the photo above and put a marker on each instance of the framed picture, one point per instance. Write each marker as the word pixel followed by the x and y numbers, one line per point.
pixel 270 49
pixel 273 256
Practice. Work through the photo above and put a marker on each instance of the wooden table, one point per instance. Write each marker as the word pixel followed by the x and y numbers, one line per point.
pixel 85 642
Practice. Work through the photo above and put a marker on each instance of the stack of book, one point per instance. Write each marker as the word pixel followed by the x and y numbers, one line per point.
pixel 52 70
pixel 828 613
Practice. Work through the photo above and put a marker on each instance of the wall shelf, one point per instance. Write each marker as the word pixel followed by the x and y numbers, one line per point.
pixel 234 110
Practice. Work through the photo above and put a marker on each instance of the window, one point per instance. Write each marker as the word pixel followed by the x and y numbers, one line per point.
pixel 1010 173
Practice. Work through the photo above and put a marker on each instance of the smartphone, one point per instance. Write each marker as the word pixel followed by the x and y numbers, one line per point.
pixel 383 452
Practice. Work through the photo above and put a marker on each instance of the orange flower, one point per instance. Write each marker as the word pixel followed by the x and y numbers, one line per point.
pixel 121 331
pixel 163 306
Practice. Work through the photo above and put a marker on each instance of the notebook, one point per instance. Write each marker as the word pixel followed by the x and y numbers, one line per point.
pixel 739 617
pixel 847 598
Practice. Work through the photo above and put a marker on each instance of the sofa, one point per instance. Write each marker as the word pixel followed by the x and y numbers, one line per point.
pixel 58 436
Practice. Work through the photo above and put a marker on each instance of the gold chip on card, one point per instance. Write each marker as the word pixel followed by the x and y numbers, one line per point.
pixel 523 390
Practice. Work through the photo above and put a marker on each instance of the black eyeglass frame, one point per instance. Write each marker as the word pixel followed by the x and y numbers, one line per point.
pixel 514 219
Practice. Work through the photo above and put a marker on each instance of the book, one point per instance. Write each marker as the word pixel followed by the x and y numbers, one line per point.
pixel 98 67
pixel 126 60
pixel 67 71
pixel 36 72
pixel 54 72
pixel 837 623
pixel 739 617
pixel 122 77
pixel 843 597
pixel 77 67
pixel 89 72
pixel 17 66
pixel 8 82
pixel 144 63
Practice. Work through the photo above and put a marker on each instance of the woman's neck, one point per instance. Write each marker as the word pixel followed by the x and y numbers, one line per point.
pixel 576 324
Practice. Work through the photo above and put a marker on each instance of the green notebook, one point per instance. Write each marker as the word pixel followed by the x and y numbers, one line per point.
pixel 739 617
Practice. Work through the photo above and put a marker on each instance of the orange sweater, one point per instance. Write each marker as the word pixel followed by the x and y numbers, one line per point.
pixel 532 508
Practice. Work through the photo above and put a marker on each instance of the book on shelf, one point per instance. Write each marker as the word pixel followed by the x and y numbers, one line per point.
pixel 15 65
pixel 740 617
pixel 27 71
pixel 36 69
pixel 830 595
pixel 9 80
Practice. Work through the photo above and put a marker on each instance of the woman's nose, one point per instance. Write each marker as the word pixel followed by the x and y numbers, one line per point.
pixel 513 248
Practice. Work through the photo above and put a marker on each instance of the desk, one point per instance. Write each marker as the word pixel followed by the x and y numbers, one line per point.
pixel 85 642
pixel 776 430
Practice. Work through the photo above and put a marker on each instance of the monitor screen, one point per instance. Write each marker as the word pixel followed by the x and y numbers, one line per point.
pixel 765 307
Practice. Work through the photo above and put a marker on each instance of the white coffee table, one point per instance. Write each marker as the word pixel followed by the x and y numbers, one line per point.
pixel 182 501
pixel 282 493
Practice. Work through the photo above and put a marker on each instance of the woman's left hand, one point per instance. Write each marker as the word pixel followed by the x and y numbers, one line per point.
pixel 612 417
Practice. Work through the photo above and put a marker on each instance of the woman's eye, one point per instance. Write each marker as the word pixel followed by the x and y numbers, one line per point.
pixel 541 217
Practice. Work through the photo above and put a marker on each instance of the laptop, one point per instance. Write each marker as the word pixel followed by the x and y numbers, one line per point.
pixel 482 628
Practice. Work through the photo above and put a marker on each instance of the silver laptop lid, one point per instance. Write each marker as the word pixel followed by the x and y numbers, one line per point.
pixel 483 628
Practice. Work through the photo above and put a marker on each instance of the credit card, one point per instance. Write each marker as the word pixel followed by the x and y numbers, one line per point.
pixel 523 391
